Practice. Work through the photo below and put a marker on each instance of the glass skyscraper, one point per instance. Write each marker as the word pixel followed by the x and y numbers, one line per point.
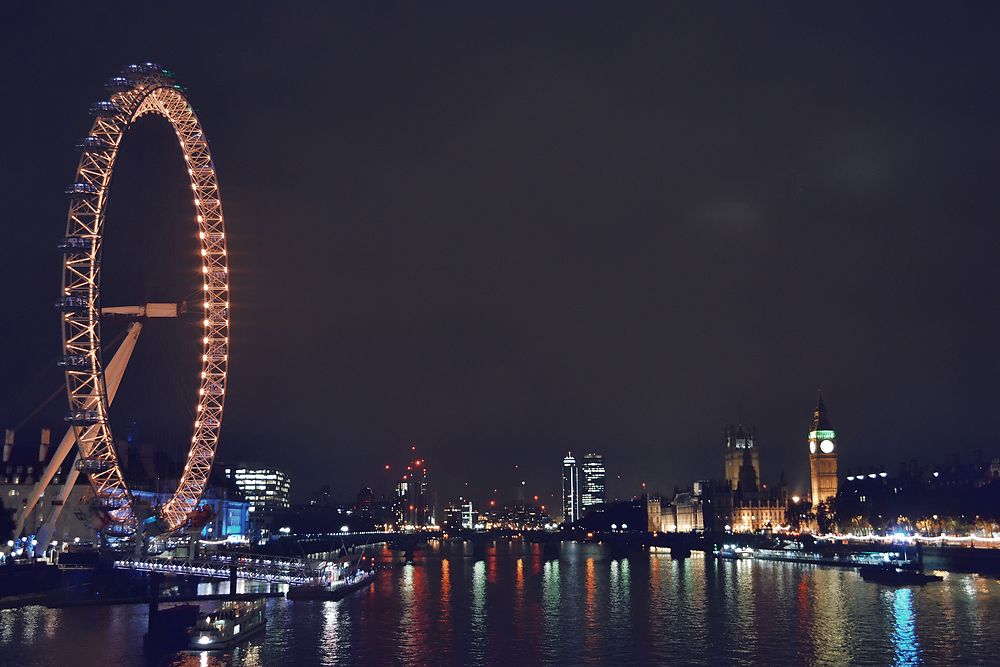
pixel 571 489
pixel 592 484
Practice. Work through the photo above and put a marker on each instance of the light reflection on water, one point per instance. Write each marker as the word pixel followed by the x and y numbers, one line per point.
pixel 904 637
pixel 478 617
pixel 550 604
pixel 588 607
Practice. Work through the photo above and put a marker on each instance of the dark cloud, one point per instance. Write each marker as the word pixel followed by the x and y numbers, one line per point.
pixel 501 232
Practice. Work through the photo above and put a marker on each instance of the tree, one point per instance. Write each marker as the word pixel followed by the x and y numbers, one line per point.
pixel 825 513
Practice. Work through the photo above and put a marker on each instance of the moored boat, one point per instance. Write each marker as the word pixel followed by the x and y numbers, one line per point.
pixel 733 552
pixel 892 575
pixel 321 590
pixel 232 623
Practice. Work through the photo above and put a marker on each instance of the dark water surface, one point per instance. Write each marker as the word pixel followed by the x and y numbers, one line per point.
pixel 516 608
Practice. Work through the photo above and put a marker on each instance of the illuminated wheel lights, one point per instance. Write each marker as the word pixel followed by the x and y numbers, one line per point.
pixel 141 90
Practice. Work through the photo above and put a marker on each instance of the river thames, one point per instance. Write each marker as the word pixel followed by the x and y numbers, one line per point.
pixel 514 607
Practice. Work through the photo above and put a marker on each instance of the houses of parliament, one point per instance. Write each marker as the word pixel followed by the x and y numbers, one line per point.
pixel 741 501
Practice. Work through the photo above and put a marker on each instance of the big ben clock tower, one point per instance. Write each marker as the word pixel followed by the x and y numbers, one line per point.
pixel 822 455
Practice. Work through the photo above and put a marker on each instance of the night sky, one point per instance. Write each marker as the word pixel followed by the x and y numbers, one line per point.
pixel 504 230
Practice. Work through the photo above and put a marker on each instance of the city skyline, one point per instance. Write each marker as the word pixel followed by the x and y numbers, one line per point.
pixel 551 333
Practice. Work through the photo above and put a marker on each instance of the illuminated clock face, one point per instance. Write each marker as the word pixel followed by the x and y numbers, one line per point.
pixel 812 446
pixel 826 446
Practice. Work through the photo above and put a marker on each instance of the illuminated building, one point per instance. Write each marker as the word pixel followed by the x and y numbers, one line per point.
pixel 822 456
pixel 227 516
pixel 592 485
pixel 654 514
pixel 949 497
pixel 458 514
pixel 759 515
pixel 266 489
pixel 401 502
pixel 222 511
pixel 19 472
pixel 413 497
pixel 365 502
pixel 571 489
pixel 739 441
pixel 521 516
pixel 685 514
pixel 451 518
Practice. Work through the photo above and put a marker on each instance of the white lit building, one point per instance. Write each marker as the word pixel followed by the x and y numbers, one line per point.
pixel 266 489
pixel 571 489
pixel 592 483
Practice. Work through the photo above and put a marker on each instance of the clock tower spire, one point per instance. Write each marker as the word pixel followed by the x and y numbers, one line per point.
pixel 822 455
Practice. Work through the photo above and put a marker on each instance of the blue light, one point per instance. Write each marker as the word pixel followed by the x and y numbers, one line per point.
pixel 904 638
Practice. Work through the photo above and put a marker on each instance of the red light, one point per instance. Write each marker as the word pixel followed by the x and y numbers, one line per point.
pixel 386 466
pixel 536 498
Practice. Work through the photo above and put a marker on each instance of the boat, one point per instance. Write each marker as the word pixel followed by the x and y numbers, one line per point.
pixel 335 580
pixel 322 590
pixel 893 575
pixel 732 552
pixel 232 623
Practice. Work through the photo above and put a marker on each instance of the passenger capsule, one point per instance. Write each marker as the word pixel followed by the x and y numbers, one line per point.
pixel 118 84
pixel 82 189
pixel 92 145
pixel 75 362
pixel 70 303
pixel 75 244
pixel 105 109
pixel 93 465
pixel 83 417
pixel 106 503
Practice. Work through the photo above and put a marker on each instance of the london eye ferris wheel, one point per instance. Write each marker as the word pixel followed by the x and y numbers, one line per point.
pixel 91 385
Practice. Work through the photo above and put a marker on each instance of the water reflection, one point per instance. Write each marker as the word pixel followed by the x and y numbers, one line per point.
pixel 905 636
pixel 331 627
pixel 444 626
pixel 411 632
pixel 478 625
pixel 550 609
pixel 829 630
pixel 590 635
pixel 583 608
pixel 619 603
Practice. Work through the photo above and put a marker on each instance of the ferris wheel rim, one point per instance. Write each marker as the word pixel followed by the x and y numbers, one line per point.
pixel 139 91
